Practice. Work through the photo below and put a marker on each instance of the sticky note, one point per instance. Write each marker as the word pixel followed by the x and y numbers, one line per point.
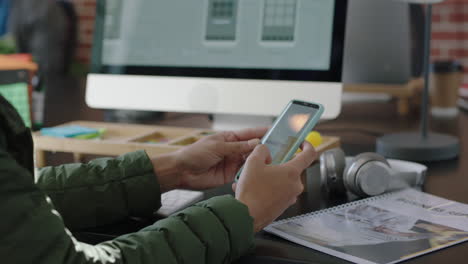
pixel 68 131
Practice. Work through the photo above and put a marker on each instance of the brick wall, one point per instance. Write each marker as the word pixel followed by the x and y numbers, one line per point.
pixel 86 12
pixel 450 32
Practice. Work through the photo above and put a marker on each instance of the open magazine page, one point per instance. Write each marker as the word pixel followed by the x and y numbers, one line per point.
pixel 385 229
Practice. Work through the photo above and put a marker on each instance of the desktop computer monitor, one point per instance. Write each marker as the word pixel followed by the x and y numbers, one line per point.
pixel 231 57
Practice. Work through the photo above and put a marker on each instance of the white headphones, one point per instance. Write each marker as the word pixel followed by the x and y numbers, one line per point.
pixel 367 174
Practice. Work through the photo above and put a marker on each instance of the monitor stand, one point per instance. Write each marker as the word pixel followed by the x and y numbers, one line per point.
pixel 223 122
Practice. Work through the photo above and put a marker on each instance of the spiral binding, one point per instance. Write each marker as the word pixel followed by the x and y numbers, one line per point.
pixel 335 208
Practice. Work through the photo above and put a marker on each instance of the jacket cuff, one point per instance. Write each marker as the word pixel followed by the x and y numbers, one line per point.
pixel 236 219
pixel 143 192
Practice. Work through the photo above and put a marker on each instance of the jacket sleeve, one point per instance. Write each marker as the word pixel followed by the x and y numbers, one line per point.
pixel 218 230
pixel 102 191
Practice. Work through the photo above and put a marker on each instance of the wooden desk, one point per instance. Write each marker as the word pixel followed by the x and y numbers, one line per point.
pixel 358 126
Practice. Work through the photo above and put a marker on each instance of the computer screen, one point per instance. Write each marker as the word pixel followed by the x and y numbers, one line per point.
pixel 217 49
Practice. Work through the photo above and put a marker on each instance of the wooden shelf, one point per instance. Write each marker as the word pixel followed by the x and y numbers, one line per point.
pixel 122 138
pixel 405 93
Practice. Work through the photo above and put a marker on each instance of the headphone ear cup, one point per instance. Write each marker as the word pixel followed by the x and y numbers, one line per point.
pixel 367 175
pixel 332 165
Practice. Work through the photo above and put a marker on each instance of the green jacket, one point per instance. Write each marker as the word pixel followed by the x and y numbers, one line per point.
pixel 35 218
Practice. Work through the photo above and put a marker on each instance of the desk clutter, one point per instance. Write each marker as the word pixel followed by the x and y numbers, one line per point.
pixel 463 99
pixel 367 174
pixel 73 131
pixel 113 139
pixel 14 88
pixel 18 96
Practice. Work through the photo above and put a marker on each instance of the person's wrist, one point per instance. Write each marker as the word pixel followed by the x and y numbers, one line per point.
pixel 251 208
pixel 167 169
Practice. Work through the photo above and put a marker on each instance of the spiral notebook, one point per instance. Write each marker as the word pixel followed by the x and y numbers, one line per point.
pixel 384 229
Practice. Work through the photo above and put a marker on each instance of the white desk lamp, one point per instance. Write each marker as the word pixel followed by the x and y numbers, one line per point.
pixel 422 146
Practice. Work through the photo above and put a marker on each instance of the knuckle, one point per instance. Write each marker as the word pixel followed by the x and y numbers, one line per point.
pixel 252 158
pixel 300 188
pixel 262 148
pixel 205 139
pixel 211 137
pixel 229 135
pixel 304 161
pixel 216 136
pixel 235 147
pixel 294 200
pixel 293 172
pixel 219 145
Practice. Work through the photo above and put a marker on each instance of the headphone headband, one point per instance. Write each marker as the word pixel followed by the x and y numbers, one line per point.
pixel 368 174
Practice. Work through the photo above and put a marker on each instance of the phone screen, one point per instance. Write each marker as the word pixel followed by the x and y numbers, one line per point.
pixel 287 130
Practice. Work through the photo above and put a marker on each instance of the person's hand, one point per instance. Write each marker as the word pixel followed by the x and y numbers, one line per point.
pixel 268 190
pixel 209 162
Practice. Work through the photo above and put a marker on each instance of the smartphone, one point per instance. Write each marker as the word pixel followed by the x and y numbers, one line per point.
pixel 290 129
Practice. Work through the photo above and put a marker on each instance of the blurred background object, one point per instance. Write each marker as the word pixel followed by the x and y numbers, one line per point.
pixel 72 22
pixel 383 55
pixel 463 100
pixel 14 88
pixel 445 85
pixel 450 33
pixel 379 40
pixel 46 29
pixel 422 145
pixel 384 48
pixel 16 75
pixel 4 12
pixel 7 43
